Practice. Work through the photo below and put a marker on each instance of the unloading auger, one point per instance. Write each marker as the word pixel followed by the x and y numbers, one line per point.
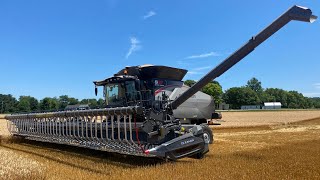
pixel 141 117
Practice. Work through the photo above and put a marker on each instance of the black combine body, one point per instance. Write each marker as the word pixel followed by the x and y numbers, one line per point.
pixel 145 109
pixel 153 87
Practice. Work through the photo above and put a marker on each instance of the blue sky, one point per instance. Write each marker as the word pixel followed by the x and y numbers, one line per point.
pixel 55 47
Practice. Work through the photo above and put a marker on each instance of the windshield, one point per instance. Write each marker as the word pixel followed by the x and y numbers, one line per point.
pixel 115 94
pixel 120 94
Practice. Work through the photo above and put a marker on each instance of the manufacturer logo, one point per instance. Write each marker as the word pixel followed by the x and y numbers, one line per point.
pixel 187 141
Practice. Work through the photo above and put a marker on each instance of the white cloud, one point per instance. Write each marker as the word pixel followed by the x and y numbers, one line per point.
pixel 203 55
pixel 150 14
pixel 202 68
pixel 199 70
pixel 135 46
pixel 194 72
pixel 316 85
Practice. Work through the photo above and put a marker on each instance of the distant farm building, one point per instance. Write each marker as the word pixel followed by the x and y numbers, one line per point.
pixel 250 107
pixel 272 105
pixel 77 107
pixel 266 105
pixel 222 106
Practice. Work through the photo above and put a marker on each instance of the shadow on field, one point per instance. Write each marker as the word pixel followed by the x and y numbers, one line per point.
pixel 43 150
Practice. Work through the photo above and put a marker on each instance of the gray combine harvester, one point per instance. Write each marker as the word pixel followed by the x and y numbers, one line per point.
pixel 145 105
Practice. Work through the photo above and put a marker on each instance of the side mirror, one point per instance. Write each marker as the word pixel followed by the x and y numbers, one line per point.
pixel 96 90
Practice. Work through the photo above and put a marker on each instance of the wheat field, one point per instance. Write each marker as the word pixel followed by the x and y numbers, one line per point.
pixel 260 118
pixel 282 150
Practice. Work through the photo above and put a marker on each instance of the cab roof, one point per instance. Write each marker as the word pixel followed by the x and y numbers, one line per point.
pixel 151 71
pixel 145 72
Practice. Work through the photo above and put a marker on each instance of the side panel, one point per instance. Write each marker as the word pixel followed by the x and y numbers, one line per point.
pixel 199 106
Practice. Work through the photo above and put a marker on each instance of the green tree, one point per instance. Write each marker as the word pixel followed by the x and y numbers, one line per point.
pixel 54 105
pixel 28 104
pixel 65 100
pixel 189 82
pixel 34 103
pixel 73 101
pixel 297 101
pixel 93 104
pixel 49 104
pixel 265 97
pixel 279 95
pixel 214 90
pixel 101 103
pixel 45 104
pixel 315 101
pixel 238 96
pixel 255 85
pixel 24 104
pixel 289 99
pixel 216 82
pixel 8 103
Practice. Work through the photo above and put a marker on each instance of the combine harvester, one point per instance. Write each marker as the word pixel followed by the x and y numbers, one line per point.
pixel 145 105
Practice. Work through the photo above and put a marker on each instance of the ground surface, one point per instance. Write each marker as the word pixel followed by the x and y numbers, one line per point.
pixel 281 150
pixel 258 118
pixel 3 127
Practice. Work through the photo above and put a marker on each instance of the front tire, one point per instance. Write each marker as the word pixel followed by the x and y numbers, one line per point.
pixel 207 134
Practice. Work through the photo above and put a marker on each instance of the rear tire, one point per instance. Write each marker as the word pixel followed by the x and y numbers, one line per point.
pixel 207 134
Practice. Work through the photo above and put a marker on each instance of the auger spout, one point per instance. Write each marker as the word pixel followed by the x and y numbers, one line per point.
pixel 297 13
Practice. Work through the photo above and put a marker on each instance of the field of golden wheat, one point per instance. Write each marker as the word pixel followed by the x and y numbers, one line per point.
pixel 288 149
pixel 260 118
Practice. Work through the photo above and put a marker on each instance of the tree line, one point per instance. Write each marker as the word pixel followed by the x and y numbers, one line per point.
pixel 250 94
pixel 25 104
pixel 254 94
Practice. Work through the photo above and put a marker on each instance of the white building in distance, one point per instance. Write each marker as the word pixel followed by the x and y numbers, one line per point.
pixel 272 105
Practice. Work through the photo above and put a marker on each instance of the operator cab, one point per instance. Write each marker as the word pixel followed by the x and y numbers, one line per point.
pixel 152 87
pixel 145 85
pixel 118 94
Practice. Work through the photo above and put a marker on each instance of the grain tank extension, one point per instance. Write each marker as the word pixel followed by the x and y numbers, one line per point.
pixel 141 116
